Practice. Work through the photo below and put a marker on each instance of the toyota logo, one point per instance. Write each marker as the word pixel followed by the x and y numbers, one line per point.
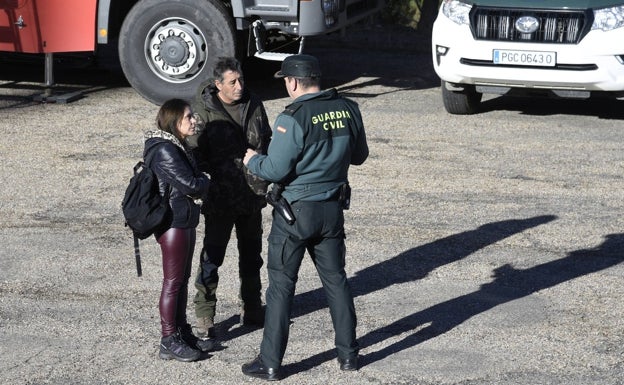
pixel 527 24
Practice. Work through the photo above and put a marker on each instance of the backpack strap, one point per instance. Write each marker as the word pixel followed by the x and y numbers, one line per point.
pixel 150 155
pixel 137 255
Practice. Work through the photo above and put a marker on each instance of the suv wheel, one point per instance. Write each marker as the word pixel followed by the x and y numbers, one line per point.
pixel 462 101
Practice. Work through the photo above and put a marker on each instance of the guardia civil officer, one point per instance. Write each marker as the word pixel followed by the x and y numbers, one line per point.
pixel 314 141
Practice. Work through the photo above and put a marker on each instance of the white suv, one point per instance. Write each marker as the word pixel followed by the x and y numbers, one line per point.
pixel 548 47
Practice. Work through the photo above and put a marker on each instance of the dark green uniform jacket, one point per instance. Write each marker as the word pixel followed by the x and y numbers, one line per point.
pixel 314 141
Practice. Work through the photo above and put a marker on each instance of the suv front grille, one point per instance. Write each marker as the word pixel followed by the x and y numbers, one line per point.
pixel 562 27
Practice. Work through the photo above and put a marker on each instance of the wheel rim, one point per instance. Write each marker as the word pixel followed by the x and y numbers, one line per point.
pixel 175 50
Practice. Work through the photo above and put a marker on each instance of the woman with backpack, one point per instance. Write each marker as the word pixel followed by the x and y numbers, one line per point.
pixel 180 180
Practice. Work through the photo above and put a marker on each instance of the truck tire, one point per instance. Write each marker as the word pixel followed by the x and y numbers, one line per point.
pixel 461 102
pixel 167 48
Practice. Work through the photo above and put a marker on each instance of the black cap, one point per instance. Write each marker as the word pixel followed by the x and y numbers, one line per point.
pixel 299 66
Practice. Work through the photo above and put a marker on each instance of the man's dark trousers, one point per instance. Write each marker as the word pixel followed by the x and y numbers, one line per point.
pixel 218 230
pixel 319 228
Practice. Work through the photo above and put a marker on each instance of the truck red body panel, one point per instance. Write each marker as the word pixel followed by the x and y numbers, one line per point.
pixel 166 48
pixel 47 26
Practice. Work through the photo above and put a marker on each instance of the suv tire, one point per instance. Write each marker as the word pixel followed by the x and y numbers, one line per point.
pixel 464 101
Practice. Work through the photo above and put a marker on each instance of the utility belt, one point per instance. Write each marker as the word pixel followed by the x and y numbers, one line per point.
pixel 282 207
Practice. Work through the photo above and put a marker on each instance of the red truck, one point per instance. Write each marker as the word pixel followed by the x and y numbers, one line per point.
pixel 166 48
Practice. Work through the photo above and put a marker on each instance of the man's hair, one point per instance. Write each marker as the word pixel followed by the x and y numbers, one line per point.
pixel 225 64
pixel 309 82
pixel 170 114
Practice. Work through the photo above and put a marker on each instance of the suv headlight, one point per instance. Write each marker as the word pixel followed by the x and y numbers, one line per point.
pixel 608 19
pixel 457 11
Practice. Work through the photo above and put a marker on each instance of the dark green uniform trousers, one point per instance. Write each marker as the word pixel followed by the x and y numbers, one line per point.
pixel 319 228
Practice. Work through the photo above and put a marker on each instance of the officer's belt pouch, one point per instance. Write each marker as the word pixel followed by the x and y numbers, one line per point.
pixel 345 196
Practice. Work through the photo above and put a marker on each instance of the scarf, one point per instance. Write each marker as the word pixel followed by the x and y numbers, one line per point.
pixel 157 133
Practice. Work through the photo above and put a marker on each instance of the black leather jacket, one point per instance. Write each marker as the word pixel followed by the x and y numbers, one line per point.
pixel 220 146
pixel 175 170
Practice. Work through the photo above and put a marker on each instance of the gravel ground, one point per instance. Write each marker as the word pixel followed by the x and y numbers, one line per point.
pixel 481 250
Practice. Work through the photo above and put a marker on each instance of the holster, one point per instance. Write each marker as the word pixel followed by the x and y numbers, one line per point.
pixel 281 205
pixel 345 196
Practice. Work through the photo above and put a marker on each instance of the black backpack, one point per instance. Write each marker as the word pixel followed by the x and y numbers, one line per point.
pixel 143 207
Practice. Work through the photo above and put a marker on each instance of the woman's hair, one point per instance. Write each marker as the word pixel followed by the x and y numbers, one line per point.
pixel 170 115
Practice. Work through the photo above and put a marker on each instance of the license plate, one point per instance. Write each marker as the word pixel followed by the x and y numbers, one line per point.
pixel 525 58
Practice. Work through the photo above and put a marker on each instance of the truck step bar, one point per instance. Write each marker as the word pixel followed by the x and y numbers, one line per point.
pixel 259 33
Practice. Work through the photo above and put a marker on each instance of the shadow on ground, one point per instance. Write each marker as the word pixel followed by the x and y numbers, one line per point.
pixel 508 284
pixel 23 79
pixel 602 106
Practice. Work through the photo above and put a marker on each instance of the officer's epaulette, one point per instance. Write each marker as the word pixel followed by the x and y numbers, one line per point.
pixel 291 109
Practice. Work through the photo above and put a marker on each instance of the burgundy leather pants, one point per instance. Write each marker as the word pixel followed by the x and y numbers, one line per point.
pixel 177 247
